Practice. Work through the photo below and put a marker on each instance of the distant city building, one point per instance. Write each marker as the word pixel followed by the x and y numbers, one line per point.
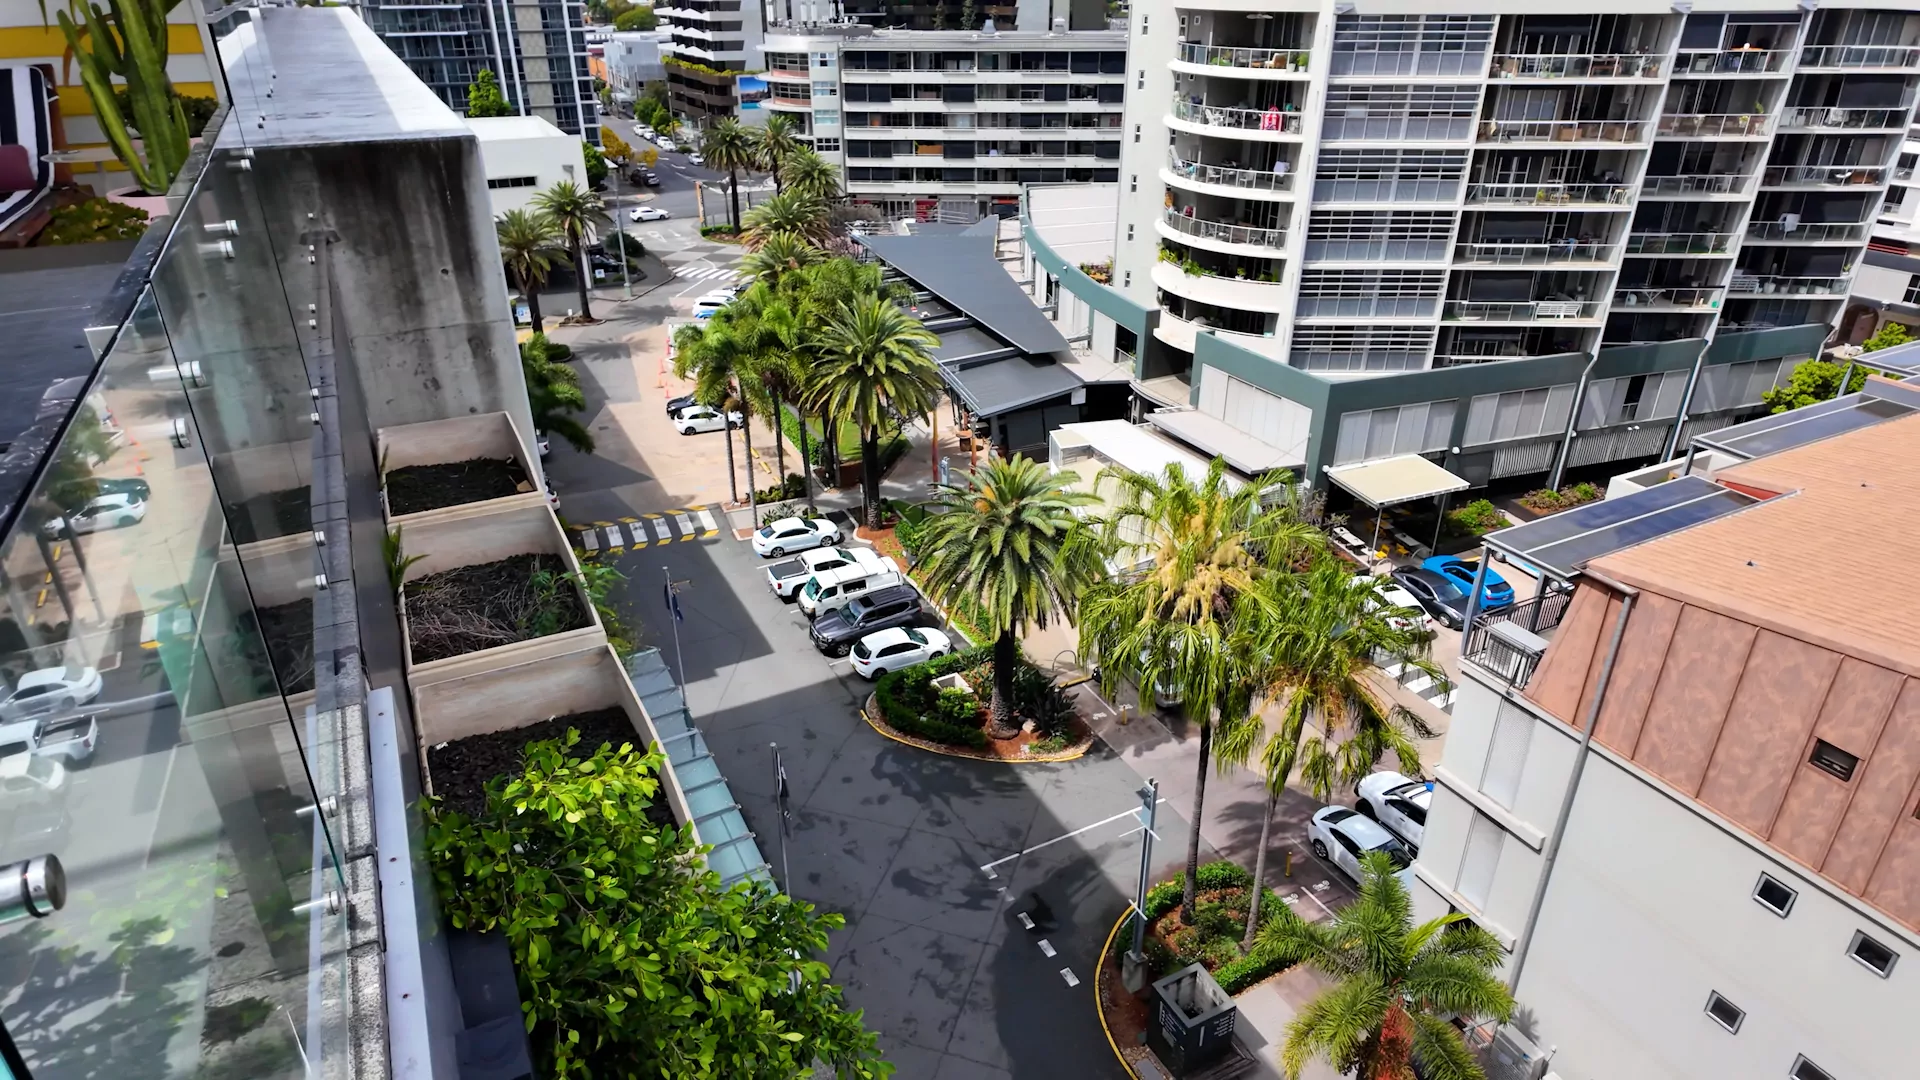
pixel 538 51
pixel 632 59
pixel 523 156
pixel 1887 288
pixel 708 44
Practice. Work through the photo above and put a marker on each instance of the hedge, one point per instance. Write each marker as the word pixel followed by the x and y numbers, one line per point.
pixel 1235 975
pixel 906 700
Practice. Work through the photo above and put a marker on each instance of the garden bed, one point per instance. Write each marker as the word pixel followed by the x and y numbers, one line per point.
pixel 288 633
pixel 908 707
pixel 470 608
pixel 459 771
pixel 270 514
pixel 1220 918
pixel 418 488
pixel 1126 1016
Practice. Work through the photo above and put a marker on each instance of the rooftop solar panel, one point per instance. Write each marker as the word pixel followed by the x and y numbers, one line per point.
pixel 1568 556
pixel 1864 412
pixel 1561 544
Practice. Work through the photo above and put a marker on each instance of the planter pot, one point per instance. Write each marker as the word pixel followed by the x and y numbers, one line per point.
pixel 445 442
pixel 154 205
pixel 483 533
pixel 952 681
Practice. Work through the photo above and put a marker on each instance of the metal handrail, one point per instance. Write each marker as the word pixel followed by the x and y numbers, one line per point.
pixel 1224 232
pixel 1192 52
pixel 1509 254
pixel 1701 243
pixel 1730 61
pixel 1709 124
pixel 1548 194
pixel 1285 123
pixel 1520 310
pixel 1575 66
pixel 1514 665
pixel 1860 56
pixel 1828 175
pixel 1691 299
pixel 1845 119
pixel 1783 284
pixel 1812 232
pixel 1537 614
pixel 1261 179
pixel 1614 131
pixel 1204 272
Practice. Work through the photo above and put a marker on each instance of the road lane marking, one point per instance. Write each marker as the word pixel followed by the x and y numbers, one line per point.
pixel 1046 948
pixel 614 538
pixel 988 867
pixel 590 540
pixel 685 525
pixel 660 532
pixel 708 527
pixel 1068 976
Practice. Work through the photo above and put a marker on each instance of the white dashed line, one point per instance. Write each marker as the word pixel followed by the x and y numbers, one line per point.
pixel 1046 948
pixel 1068 975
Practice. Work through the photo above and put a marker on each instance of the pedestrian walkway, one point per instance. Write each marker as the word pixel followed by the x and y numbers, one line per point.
pixel 681 524
pixel 1265 1012
pixel 716 274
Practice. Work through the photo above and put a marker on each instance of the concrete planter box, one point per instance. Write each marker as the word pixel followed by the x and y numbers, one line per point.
pixel 444 442
pixel 952 681
pixel 487 532
pixel 530 691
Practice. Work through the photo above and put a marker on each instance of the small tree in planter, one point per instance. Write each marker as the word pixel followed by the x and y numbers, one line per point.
pixel 633 959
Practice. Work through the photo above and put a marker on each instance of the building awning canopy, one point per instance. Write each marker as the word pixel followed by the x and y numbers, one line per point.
pixel 1215 436
pixel 1002 386
pixel 961 269
pixel 1396 480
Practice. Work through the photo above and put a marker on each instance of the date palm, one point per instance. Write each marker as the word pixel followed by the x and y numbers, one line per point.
pixel 1169 621
pixel 774 143
pixel 807 173
pixel 1311 648
pixel 712 353
pixel 1398 984
pixel 1009 547
pixel 780 362
pixel 530 247
pixel 580 215
pixel 875 361
pixel 553 394
pixel 728 146
pixel 787 214
pixel 779 256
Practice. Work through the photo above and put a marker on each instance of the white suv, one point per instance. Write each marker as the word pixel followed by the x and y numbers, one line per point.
pixel 1397 802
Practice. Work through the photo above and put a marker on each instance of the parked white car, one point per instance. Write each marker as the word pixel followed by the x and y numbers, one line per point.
pixel 30 778
pixel 648 213
pixel 793 534
pixel 101 512
pixel 695 418
pixel 50 690
pixel 1341 836
pixel 788 577
pixel 1403 611
pixel 898 647
pixel 1397 802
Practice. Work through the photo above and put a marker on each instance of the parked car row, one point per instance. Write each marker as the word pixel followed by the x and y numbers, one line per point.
pixel 860 602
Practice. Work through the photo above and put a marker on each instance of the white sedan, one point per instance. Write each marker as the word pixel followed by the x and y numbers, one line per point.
pixel 101 512
pixel 648 213
pixel 1403 611
pixel 793 534
pixel 898 647
pixel 1397 802
pixel 696 159
pixel 1341 836
pixel 50 690
pixel 703 418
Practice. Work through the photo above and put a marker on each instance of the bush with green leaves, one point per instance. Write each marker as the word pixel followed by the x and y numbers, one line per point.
pixel 1475 518
pixel 633 959
pixel 1217 942
pixel 908 703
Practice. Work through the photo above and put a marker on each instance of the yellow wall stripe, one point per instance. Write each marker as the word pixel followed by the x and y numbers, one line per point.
pixel 32 42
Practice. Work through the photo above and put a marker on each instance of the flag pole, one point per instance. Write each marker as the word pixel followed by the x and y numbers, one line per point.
pixel 673 616
pixel 780 807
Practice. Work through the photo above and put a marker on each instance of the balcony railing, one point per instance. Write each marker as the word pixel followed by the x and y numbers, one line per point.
pixel 1576 66
pixel 1696 184
pixel 1730 61
pixel 1823 175
pixel 1196 270
pixel 1811 233
pixel 1230 56
pixel 1275 120
pixel 1505 254
pixel 1822 119
pixel 1508 642
pixel 1225 233
pixel 1897 57
pixel 1667 299
pixel 1781 284
pixel 1548 194
pixel 1558 131
pixel 1704 243
pixel 1257 179
pixel 1711 125
pixel 1520 310
pixel 1903 174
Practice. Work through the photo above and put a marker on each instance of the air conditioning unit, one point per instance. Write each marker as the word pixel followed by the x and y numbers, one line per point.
pixel 1513 1056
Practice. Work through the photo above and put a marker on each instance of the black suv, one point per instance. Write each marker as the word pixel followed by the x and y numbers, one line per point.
pixel 835 632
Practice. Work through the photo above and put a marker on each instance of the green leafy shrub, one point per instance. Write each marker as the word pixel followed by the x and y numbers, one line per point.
pixel 957 707
pixel 793 487
pixel 1219 919
pixel 907 701
pixel 1475 518
pixel 92 221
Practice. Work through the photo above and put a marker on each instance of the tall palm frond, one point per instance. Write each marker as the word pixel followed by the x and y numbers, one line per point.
pixel 775 142
pixel 580 215
pixel 530 247
pixel 788 213
pixel 807 173
pixel 779 255
pixel 728 146
pixel 875 361
pixel 714 353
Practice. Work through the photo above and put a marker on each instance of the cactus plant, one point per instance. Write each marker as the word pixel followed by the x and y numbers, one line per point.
pixel 129 39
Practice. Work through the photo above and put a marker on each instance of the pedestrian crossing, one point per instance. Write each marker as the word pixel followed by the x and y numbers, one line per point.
pixel 648 530
pixel 711 273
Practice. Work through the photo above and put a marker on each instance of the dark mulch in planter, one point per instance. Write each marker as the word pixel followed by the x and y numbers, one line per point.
pixel 270 514
pixel 461 769
pixel 288 630
pixel 430 487
pixel 479 607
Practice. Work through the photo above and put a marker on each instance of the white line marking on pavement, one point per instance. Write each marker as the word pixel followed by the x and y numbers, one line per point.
pixel 685 525
pixel 660 533
pixel 708 527
pixel 1025 919
pixel 1046 948
pixel 988 868
pixel 590 539
pixel 1068 975
pixel 1308 893
pixel 614 539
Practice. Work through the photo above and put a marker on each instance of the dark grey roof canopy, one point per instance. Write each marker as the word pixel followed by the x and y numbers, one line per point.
pixel 1001 386
pixel 1560 545
pixel 960 269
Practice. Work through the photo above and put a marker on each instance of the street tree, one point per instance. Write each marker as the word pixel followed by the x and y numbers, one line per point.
pixel 714 354
pixel 615 148
pixel 775 142
pixel 728 146
pixel 808 174
pixel 1010 548
pixel 786 213
pixel 484 97
pixel 553 394
pixel 636 18
pixel 580 215
pixel 530 245
pixel 777 256
pixel 876 362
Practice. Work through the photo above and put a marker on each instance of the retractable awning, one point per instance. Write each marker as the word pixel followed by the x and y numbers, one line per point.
pixel 1395 480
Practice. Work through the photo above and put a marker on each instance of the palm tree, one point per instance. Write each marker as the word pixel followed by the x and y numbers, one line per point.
pixel 530 246
pixel 782 363
pixel 1396 983
pixel 580 215
pixel 728 146
pixel 807 173
pixel 788 213
pixel 1169 621
pixel 1010 548
pixel 553 395
pixel 1314 659
pixel 775 142
pixel 712 352
pixel 875 361
pixel 778 256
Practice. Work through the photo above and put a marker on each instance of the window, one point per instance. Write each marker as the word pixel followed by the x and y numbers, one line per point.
pixel 1725 1013
pixel 826 146
pixel 1129 232
pixel 1143 24
pixel 1774 896
pixel 1136 133
pixel 1829 758
pixel 1366 435
pixel 1140 81
pixel 826 89
pixel 1913 288
pixel 1507 753
pixel 513 182
pixel 1478 862
pixel 1807 1070
pixel 1519 414
pixel 1876 957
pixel 826 118
pixel 1126 279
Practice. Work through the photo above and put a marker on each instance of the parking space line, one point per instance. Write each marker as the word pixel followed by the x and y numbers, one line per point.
pixel 708 527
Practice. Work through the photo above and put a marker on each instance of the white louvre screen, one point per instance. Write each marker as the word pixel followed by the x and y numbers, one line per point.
pixel 1507 754
pixel 1478 862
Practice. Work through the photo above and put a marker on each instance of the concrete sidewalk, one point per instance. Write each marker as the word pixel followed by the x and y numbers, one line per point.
pixel 1265 1012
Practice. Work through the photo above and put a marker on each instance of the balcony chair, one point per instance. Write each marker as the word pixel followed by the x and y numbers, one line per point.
pixel 26 138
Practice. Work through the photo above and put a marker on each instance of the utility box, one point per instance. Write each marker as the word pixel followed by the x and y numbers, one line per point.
pixel 1193 1021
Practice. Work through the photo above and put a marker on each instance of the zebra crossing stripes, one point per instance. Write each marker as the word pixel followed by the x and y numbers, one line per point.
pixel 648 530
pixel 712 273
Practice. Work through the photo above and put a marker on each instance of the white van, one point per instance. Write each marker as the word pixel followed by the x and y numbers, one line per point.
pixel 831 589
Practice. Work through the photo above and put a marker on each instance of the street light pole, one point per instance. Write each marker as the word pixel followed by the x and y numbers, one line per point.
pixel 626 279
pixel 1133 967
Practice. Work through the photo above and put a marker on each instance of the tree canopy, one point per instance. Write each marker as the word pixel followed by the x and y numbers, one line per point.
pixel 1812 381
pixel 596 164
pixel 639 18
pixel 484 97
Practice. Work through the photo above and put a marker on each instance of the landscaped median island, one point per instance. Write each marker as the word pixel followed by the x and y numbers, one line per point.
pixel 941 705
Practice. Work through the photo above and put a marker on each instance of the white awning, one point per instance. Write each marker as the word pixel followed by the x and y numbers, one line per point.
pixel 1396 480
pixel 1215 436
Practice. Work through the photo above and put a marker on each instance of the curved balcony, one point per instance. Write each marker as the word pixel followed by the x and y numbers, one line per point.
pixel 1715 126
pixel 1776 232
pixel 1196 59
pixel 1542 254
pixel 1822 119
pixel 1561 132
pixel 1575 66
pixel 1698 301
pixel 1226 181
pixel 1243 294
pixel 1522 311
pixel 1221 236
pixel 1823 176
pixel 1696 185
pixel 1267 124
pixel 1180 334
pixel 1701 243
pixel 1859 58
pixel 1694 63
pixel 1570 196
pixel 1746 286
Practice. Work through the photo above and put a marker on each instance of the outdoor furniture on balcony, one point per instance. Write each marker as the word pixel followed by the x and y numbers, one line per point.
pixel 1287 121
pixel 1781 284
pixel 1277 178
pixel 1183 221
pixel 1192 52
pixel 1696 243
pixel 1656 299
pixel 1548 194
pixel 1745 60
